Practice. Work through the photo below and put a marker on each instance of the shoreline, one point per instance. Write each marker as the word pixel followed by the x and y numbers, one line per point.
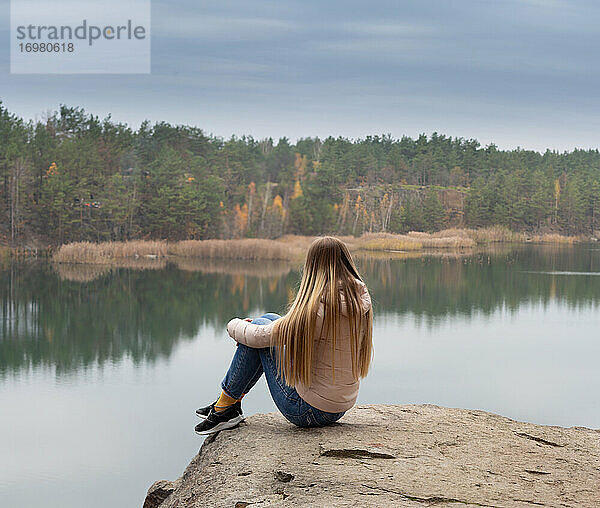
pixel 292 248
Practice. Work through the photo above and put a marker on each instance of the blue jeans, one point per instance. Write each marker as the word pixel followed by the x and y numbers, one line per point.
pixel 249 364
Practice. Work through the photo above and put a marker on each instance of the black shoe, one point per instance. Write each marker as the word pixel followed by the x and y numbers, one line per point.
pixel 203 411
pixel 216 421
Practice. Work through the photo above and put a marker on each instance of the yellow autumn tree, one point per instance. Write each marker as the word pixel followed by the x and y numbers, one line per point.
pixel 52 170
pixel 241 219
pixel 297 190
pixel 300 165
pixel 274 217
pixel 278 204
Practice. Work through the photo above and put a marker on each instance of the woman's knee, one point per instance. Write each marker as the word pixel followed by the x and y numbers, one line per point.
pixel 272 316
pixel 303 420
pixel 313 418
pixel 323 418
pixel 261 321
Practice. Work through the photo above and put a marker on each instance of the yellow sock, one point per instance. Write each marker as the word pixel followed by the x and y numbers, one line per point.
pixel 224 402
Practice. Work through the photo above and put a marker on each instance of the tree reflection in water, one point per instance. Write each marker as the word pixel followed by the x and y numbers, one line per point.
pixel 71 316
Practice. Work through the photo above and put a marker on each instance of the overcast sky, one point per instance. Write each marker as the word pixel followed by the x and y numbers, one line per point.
pixel 513 72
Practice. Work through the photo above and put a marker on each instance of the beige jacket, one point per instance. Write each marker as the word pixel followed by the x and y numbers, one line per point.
pixel 324 393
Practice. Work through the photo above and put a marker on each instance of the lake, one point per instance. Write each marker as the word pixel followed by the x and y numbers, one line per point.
pixel 101 368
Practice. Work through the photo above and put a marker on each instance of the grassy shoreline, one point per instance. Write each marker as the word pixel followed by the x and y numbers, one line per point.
pixel 293 247
pixel 7 252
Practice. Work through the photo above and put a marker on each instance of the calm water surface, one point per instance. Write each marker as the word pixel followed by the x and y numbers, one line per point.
pixel 101 369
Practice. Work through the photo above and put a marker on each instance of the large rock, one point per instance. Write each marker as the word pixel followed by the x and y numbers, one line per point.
pixel 158 492
pixel 394 456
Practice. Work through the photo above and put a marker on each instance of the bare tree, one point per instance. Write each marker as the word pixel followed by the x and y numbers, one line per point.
pixel 16 176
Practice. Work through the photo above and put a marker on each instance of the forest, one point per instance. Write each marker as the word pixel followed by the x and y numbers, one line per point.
pixel 75 177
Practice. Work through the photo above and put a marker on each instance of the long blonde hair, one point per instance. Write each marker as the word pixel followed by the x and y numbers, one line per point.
pixel 328 271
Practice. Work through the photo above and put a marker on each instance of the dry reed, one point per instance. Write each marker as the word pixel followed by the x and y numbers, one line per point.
pixel 387 241
pixel 412 241
pixel 494 234
pixel 108 252
pixel 246 248
pixel 289 247
pixel 449 242
pixel 554 238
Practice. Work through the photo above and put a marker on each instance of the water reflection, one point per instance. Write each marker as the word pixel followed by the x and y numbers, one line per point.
pixel 73 316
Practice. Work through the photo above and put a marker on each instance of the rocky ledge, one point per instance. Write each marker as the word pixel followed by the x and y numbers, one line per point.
pixel 377 455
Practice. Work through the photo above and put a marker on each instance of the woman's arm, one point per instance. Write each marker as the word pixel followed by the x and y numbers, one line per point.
pixel 256 336
pixel 365 297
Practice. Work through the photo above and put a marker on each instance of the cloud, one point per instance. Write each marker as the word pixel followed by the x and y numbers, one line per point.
pixel 386 29
pixel 223 28
pixel 556 4
pixel 308 67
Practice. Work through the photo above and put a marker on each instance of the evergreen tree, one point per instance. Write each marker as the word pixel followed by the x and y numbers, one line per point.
pixel 433 211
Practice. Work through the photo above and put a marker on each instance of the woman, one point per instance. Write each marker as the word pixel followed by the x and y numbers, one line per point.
pixel 313 357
